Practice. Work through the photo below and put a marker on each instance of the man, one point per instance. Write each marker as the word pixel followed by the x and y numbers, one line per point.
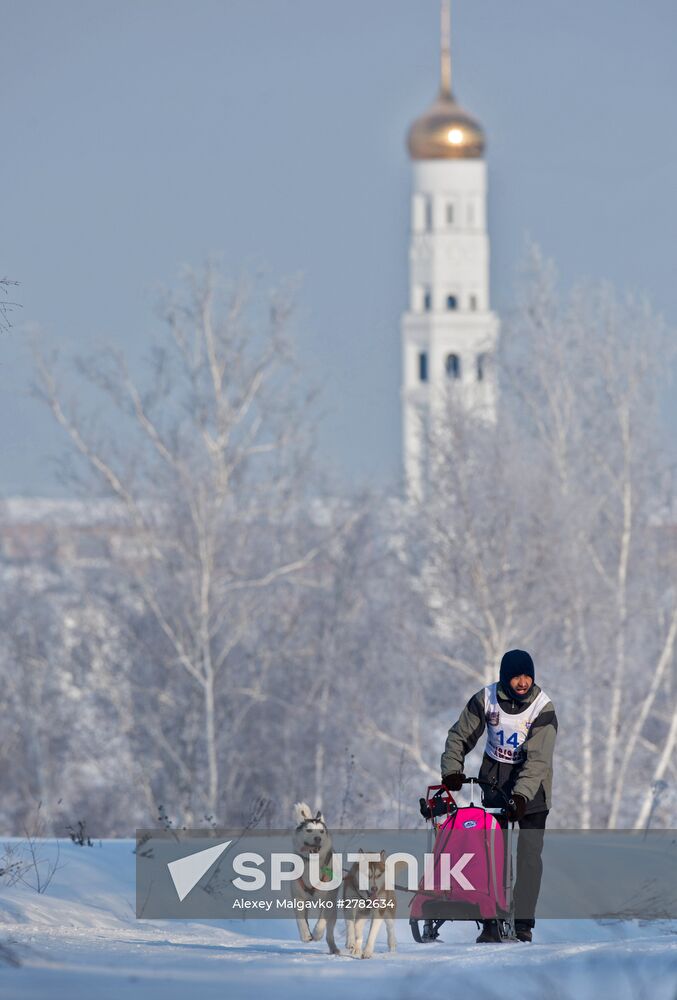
pixel 521 727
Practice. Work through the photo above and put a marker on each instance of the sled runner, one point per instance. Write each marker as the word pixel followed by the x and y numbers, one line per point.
pixel 469 879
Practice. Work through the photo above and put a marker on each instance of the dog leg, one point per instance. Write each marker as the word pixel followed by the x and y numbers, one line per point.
pixel 331 924
pixel 318 929
pixel 390 931
pixel 304 929
pixel 359 931
pixel 350 933
pixel 376 922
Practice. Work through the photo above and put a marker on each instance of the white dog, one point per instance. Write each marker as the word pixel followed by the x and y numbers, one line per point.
pixel 312 837
pixel 376 902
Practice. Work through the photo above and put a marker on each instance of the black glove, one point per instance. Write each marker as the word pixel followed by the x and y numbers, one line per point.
pixel 439 807
pixel 454 781
pixel 517 806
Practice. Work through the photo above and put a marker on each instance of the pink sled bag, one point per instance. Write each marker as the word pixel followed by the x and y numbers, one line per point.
pixel 479 886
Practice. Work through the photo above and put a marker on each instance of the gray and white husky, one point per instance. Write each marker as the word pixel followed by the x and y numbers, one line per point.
pixel 361 905
pixel 311 836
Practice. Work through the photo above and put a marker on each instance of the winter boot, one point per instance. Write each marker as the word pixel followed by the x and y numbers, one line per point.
pixel 522 930
pixel 489 933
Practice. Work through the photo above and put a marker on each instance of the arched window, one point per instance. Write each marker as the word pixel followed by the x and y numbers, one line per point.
pixel 473 303
pixel 481 367
pixel 452 302
pixel 427 300
pixel 428 214
pixel 450 214
pixel 453 366
pixel 423 366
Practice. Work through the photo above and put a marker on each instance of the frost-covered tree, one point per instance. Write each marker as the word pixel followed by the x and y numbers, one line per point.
pixel 250 635
pixel 61 732
pixel 547 530
pixel 6 304
pixel 208 457
pixel 586 372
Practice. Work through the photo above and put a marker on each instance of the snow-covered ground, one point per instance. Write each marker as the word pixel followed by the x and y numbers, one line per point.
pixel 81 939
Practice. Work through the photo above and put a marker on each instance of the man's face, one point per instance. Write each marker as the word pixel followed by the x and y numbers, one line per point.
pixel 521 684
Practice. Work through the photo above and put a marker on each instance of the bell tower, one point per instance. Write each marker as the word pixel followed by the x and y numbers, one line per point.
pixel 449 333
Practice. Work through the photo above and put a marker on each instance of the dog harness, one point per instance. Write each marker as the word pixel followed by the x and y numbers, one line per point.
pixel 326 875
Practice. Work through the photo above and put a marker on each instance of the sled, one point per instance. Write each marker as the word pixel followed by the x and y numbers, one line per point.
pixel 483 890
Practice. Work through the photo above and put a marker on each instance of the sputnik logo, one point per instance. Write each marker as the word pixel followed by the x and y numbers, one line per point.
pixel 187 872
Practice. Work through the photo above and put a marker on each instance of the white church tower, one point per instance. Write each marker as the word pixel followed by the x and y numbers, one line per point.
pixel 449 333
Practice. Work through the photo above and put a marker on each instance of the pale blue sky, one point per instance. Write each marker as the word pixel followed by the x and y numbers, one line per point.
pixel 141 135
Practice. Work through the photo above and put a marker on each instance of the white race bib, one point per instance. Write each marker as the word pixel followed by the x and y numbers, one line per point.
pixel 506 733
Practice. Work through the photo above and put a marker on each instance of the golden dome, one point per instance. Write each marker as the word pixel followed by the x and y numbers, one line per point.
pixel 445 132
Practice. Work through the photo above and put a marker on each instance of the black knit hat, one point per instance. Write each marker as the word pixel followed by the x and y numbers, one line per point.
pixel 514 663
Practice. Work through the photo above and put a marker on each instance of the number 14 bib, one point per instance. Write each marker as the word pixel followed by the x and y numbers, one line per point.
pixel 506 733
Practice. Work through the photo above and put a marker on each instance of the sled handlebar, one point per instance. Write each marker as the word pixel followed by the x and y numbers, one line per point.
pixel 440 793
pixel 491 785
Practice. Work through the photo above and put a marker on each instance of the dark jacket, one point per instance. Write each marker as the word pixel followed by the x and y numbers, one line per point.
pixel 531 777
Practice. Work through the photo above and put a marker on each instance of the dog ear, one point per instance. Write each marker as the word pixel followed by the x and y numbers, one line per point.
pixel 301 812
pixel 319 818
pixel 383 856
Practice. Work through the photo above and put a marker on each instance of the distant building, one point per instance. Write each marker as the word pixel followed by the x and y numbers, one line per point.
pixel 449 333
pixel 43 532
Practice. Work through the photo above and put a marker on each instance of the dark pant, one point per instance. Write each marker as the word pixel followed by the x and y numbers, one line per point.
pixel 529 865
